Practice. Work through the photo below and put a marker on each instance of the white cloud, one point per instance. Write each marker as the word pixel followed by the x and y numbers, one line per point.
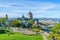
pixel 16 9
pixel 2 14
pixel 4 5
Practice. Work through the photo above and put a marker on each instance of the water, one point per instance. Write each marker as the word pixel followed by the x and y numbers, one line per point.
pixel 52 19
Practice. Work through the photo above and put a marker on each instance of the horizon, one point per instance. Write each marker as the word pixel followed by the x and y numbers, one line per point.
pixel 39 8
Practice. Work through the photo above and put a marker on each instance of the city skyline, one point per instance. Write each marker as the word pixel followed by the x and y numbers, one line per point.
pixel 39 8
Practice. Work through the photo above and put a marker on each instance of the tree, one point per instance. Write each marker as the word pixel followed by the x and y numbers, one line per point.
pixel 2 20
pixel 54 31
pixel 19 21
pixel 56 28
pixel 35 29
pixel 14 22
pixel 18 25
pixel 31 22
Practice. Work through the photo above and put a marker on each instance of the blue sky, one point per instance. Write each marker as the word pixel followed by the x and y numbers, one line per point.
pixel 39 8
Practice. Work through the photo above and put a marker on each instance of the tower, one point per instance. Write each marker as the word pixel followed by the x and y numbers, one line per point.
pixel 23 17
pixel 30 15
pixel 6 17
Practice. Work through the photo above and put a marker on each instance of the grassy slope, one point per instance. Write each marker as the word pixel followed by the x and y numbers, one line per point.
pixel 19 37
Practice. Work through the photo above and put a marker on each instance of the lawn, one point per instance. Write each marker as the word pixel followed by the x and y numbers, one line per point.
pixel 17 36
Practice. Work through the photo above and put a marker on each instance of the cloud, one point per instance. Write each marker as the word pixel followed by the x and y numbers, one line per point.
pixel 4 6
pixel 2 14
pixel 18 8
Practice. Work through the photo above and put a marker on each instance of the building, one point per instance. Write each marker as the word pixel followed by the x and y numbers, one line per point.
pixel 36 21
pixel 23 17
pixel 30 15
pixel 6 17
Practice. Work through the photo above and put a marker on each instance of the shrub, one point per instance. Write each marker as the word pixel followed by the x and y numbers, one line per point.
pixel 2 31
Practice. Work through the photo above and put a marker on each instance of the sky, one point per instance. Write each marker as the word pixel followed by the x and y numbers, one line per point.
pixel 39 8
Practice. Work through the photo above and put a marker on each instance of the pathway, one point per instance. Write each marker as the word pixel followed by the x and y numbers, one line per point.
pixel 44 35
pixel 24 31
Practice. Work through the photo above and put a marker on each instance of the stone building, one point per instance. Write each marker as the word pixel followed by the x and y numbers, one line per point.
pixel 6 17
pixel 30 15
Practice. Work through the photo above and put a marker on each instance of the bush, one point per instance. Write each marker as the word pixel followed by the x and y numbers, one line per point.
pixel 2 31
pixel 51 34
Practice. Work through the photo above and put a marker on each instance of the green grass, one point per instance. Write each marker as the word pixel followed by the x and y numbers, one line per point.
pixel 17 36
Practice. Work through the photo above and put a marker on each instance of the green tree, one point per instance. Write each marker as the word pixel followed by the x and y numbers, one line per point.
pixel 56 28
pixel 2 20
pixel 31 22
pixel 19 21
pixel 54 31
pixel 18 25
pixel 35 29
pixel 14 22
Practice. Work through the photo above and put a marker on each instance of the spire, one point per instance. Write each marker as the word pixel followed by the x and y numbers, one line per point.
pixel 30 15
pixel 6 17
pixel 23 17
